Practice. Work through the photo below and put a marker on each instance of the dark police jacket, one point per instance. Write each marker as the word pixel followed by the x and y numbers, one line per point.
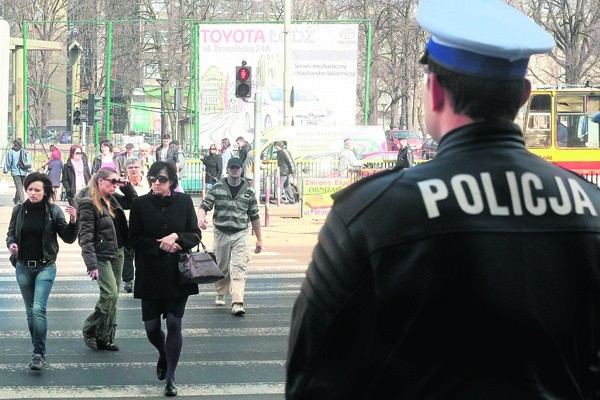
pixel 474 275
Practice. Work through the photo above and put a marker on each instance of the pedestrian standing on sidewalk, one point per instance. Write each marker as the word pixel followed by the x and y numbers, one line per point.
pixel 287 168
pixel 18 173
pixel 475 275
pixel 158 242
pixel 32 239
pixel 103 234
pixel 405 156
pixel 212 167
pixel 226 154
pixel 234 203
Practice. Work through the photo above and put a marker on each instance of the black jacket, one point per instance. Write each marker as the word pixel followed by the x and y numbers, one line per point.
pixel 405 157
pixel 213 168
pixel 285 162
pixel 117 159
pixel 68 178
pixel 474 275
pixel 55 225
pixel 156 271
pixel 97 233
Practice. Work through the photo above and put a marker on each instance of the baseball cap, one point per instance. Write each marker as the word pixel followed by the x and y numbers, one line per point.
pixel 234 162
pixel 484 38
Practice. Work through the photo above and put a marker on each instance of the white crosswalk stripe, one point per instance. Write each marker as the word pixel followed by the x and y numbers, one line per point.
pixel 223 356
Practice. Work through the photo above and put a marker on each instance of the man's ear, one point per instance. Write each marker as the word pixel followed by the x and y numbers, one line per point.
pixel 526 91
pixel 437 93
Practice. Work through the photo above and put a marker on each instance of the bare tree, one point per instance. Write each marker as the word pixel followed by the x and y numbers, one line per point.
pixel 574 25
pixel 42 65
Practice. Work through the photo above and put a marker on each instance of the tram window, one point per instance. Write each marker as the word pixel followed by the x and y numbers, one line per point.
pixel 572 131
pixel 570 104
pixel 537 133
pixel 540 103
pixel 592 133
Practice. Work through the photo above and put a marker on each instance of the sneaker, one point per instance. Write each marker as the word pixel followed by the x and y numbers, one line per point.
pixel 238 309
pixel 220 300
pixel 38 361
pixel 110 346
pixel 128 287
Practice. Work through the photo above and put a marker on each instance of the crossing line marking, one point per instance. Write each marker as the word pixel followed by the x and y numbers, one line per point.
pixel 138 391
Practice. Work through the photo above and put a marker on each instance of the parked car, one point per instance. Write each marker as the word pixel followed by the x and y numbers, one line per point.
pixel 429 149
pixel 393 137
pixel 307 110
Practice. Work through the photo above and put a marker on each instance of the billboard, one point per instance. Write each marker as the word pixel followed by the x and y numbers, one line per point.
pixel 324 64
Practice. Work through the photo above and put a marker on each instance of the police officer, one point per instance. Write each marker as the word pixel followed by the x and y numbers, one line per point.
pixel 474 276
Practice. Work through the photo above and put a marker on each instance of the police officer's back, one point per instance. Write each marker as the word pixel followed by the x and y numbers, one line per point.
pixel 473 276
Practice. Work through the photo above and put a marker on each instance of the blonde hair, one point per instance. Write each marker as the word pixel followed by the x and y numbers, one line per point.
pixel 95 194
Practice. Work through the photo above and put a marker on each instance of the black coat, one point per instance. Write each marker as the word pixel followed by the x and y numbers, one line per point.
pixel 478 269
pixel 97 233
pixel 213 168
pixel 405 158
pixel 151 218
pixel 68 178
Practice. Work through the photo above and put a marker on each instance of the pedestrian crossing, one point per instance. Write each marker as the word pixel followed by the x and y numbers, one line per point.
pixel 223 356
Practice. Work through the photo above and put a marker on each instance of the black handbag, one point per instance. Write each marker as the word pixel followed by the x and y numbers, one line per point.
pixel 199 267
pixel 13 260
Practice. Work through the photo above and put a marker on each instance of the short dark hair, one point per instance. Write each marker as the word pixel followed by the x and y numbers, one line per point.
pixel 480 98
pixel 46 181
pixel 166 136
pixel 171 172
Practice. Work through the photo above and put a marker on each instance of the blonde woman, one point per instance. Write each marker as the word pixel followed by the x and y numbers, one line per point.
pixel 103 234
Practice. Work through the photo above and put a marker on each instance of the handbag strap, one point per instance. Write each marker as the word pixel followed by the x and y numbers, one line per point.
pixel 200 243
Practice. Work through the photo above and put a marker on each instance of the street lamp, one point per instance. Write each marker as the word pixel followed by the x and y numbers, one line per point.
pixel 162 83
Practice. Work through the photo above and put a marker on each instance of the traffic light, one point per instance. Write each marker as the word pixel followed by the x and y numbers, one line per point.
pixel 94 108
pixel 83 109
pixel 76 117
pixel 243 81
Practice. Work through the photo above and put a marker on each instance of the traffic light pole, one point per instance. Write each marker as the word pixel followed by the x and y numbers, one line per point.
pixel 256 147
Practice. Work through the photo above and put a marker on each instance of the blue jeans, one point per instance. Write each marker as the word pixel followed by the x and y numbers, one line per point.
pixel 35 284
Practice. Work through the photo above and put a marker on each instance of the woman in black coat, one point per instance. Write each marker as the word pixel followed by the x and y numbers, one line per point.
pixel 212 167
pixel 162 224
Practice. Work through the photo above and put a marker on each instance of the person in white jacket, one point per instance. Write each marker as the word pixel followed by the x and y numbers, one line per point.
pixel 348 159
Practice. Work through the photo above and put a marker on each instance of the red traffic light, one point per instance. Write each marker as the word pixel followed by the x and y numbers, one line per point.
pixel 243 74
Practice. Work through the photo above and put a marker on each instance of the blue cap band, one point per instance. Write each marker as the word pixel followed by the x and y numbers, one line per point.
pixel 477 64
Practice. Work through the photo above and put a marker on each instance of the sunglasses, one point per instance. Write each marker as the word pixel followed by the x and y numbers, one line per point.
pixel 213 148
pixel 78 152
pixel 113 181
pixel 160 178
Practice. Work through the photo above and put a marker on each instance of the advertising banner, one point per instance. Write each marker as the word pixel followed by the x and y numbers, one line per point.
pixel 324 64
pixel 316 199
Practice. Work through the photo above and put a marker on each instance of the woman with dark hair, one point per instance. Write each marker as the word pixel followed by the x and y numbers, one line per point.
pixel 157 241
pixel 213 167
pixel 75 173
pixel 103 235
pixel 108 159
pixel 34 226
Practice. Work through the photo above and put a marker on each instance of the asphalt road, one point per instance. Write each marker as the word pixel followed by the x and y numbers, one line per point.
pixel 223 357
